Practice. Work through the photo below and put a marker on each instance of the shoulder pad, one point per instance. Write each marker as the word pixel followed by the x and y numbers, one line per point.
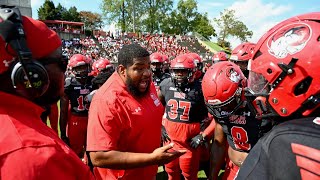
pixel 67 81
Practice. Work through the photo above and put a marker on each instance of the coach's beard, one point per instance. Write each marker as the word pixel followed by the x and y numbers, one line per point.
pixel 134 90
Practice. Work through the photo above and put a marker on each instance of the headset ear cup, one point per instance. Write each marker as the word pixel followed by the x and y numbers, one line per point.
pixel 39 79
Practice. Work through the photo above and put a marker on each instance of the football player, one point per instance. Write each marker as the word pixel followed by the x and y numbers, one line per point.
pixel 219 56
pixel 184 110
pixel 241 55
pixel 157 63
pixel 284 83
pixel 73 124
pixel 199 65
pixel 166 64
pixel 223 89
pixel 101 65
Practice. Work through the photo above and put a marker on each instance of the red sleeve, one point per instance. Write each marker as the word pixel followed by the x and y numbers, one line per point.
pixel 104 125
pixel 45 162
pixel 210 129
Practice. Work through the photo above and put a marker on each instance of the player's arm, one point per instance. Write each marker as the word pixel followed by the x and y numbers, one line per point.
pixel 218 151
pixel 128 160
pixel 161 92
pixel 161 97
pixel 64 108
pixel 208 131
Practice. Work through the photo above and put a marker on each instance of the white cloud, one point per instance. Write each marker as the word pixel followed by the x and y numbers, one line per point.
pixel 214 4
pixel 259 17
pixel 67 3
pixel 209 7
pixel 36 3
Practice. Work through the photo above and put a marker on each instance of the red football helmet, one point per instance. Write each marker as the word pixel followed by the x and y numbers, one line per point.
pixel 285 67
pixel 219 56
pixel 166 63
pixel 165 58
pixel 101 65
pixel 242 52
pixel 223 88
pixel 156 62
pixel 197 60
pixel 79 65
pixel 182 70
pixel 156 57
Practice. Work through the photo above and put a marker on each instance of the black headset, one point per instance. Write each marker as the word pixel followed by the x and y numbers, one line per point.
pixel 28 76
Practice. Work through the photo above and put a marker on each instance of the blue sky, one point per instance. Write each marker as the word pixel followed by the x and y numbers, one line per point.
pixel 258 15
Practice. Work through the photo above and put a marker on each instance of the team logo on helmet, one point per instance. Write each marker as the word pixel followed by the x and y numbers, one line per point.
pixel 233 75
pixel 317 120
pixel 289 39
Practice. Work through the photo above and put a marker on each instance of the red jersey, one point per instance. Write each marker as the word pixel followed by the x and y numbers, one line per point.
pixel 31 150
pixel 118 121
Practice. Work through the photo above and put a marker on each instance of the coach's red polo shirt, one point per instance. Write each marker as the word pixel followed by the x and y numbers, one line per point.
pixel 31 150
pixel 118 121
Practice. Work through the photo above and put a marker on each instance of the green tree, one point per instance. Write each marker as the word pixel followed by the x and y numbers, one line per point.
pixel 203 26
pixel 135 9
pixel 47 11
pixel 72 15
pixel 183 19
pixel 117 11
pixel 61 12
pixel 170 23
pixel 229 25
pixel 155 13
pixel 91 20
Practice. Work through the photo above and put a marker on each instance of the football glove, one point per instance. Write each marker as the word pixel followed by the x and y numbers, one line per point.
pixel 197 141
pixel 164 135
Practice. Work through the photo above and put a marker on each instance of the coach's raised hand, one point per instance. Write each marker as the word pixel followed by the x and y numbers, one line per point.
pixel 166 154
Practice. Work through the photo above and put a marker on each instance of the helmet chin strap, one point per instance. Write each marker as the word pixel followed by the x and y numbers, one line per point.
pixel 258 105
pixel 287 69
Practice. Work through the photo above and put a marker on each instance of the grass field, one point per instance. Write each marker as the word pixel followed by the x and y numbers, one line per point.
pixel 215 46
pixel 201 175
pixel 163 176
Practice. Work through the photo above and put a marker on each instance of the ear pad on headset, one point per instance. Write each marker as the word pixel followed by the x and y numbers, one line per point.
pixel 38 76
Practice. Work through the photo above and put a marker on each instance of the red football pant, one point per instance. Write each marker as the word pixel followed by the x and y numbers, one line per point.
pixel 77 133
pixel 187 164
pixel 54 117
pixel 231 170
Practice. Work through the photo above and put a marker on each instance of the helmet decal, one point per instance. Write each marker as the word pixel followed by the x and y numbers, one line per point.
pixel 233 75
pixel 289 39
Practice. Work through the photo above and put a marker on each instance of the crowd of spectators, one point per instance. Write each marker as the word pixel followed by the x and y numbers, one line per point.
pixel 67 30
pixel 109 46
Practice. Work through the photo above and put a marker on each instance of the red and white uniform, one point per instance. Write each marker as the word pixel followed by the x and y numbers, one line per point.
pixel 120 122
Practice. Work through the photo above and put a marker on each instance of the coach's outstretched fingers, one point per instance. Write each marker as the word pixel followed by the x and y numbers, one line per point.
pixel 162 156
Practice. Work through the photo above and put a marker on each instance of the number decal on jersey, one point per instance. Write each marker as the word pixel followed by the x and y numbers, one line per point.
pixel 186 109
pixel 81 105
pixel 240 138
pixel 173 114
